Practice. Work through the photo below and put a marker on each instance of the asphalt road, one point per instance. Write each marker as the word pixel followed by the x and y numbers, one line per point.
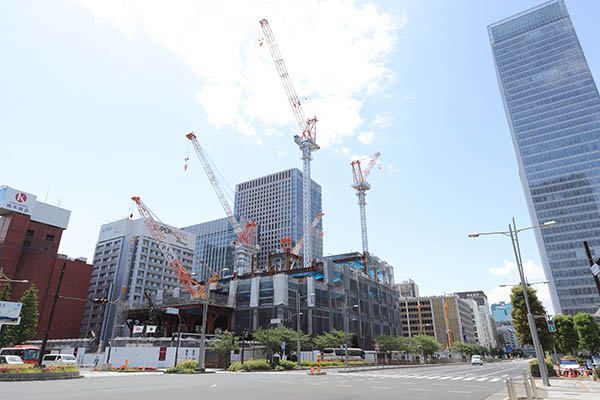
pixel 455 382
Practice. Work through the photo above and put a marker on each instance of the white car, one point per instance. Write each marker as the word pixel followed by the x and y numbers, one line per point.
pixel 59 359
pixel 476 359
pixel 5 359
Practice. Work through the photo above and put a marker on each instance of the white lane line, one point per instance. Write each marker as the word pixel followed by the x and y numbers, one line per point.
pixel 344 385
pixel 470 378
pixel 475 386
pixel 417 389
pixel 264 380
pixel 439 384
pixel 445 377
pixel 432 377
pixel 494 380
pixel 458 391
pixel 379 387
pixel 456 378
pixel 481 379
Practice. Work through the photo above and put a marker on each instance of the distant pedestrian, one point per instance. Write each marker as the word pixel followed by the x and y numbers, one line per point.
pixel 96 360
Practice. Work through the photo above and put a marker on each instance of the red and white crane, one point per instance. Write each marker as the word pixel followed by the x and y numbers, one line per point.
pixel 361 186
pixel 306 141
pixel 244 247
pixel 156 227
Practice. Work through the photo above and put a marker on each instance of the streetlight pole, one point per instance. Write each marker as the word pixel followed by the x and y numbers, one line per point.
pixel 298 344
pixel 514 238
pixel 532 327
pixel 346 329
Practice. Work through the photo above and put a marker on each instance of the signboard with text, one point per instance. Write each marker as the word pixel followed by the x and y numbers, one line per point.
pixel 10 313
pixel 16 200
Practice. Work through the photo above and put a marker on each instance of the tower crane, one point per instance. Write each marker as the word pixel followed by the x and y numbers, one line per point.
pixel 156 230
pixel 244 247
pixel 361 186
pixel 306 141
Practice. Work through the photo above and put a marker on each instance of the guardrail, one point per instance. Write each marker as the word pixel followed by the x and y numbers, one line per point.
pixel 527 382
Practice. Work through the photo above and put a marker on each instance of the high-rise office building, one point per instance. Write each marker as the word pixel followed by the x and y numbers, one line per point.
pixel 501 311
pixel 553 111
pixel 408 288
pixel 213 249
pixel 128 262
pixel 275 203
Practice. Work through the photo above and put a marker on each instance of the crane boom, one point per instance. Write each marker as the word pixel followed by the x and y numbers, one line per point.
pixel 359 175
pixel 215 183
pixel 307 141
pixel 361 186
pixel 307 126
pixel 300 243
pixel 150 219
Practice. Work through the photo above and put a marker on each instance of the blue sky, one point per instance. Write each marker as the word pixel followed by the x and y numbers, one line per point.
pixel 96 98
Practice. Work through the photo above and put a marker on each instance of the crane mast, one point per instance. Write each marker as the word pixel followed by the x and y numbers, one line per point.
pixel 361 186
pixel 244 247
pixel 150 220
pixel 307 141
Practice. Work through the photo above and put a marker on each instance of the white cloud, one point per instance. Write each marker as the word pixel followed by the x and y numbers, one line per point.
pixel 319 40
pixel 510 276
pixel 392 168
pixel 365 137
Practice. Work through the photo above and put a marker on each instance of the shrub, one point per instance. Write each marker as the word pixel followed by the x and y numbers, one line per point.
pixel 597 374
pixel 256 365
pixel 235 366
pixel 287 364
pixel 187 365
pixel 535 370
pixel 279 368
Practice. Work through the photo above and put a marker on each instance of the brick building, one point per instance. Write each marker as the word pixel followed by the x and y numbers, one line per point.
pixel 30 233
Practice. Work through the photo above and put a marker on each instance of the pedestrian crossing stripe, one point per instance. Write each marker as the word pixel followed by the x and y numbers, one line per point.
pixel 434 377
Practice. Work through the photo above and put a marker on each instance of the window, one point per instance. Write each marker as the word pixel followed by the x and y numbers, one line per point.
pixel 50 238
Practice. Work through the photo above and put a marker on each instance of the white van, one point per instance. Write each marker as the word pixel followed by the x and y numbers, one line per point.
pixel 476 359
pixel 59 359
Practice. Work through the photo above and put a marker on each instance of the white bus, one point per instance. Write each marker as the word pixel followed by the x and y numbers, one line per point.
pixel 331 354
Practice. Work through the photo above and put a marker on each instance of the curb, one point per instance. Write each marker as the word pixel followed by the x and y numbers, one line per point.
pixel 42 376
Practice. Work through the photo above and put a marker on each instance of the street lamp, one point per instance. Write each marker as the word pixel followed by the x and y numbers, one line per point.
pixel 204 317
pixel 513 234
pixel 4 278
pixel 528 284
pixel 346 329
pixel 298 314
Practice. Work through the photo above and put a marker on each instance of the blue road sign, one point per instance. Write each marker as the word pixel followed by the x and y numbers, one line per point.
pixel 508 349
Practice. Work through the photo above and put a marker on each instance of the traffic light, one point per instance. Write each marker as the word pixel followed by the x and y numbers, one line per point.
pixel 100 300
pixel 550 323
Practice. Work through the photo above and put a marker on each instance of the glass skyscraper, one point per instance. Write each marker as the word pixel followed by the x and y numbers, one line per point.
pixel 553 111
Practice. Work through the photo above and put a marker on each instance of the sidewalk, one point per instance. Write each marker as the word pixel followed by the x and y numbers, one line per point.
pixel 560 389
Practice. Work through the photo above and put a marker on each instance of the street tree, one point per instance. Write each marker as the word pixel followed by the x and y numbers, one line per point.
pixel 565 337
pixel 497 352
pixel 5 334
pixel 279 335
pixel 333 339
pixel 588 331
pixel 388 343
pixel 223 344
pixel 27 329
pixel 465 349
pixel 430 345
pixel 519 317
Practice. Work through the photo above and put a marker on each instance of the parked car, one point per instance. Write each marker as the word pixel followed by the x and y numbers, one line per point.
pixel 476 359
pixel 596 361
pixel 59 359
pixel 570 364
pixel 10 360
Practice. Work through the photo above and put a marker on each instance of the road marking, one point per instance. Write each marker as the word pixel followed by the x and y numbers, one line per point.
pixel 432 377
pixel 345 385
pixel 481 379
pixel 494 380
pixel 458 391
pixel 474 386
pixel 264 380
pixel 379 387
pixel 439 384
pixel 456 378
pixel 445 377
pixel 470 378
pixel 417 389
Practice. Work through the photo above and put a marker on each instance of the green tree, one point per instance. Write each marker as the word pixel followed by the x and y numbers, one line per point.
pixel 497 352
pixel 565 337
pixel 465 349
pixel 430 345
pixel 519 317
pixel 278 335
pixel 333 339
pixel 5 334
pixel 388 343
pixel 588 331
pixel 223 344
pixel 27 329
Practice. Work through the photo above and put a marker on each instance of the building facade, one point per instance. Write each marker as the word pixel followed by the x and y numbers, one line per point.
pixel 213 251
pixel 127 263
pixel 408 288
pixel 553 111
pixel 30 234
pixel 275 203
pixel 501 311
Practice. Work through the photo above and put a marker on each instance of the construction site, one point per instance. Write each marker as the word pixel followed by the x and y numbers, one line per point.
pixel 271 275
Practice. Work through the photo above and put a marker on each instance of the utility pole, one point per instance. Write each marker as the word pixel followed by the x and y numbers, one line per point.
pixel 595 271
pixel 298 328
pixel 47 334
pixel 203 336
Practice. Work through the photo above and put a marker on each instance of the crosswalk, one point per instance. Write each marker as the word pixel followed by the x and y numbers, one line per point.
pixel 466 378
